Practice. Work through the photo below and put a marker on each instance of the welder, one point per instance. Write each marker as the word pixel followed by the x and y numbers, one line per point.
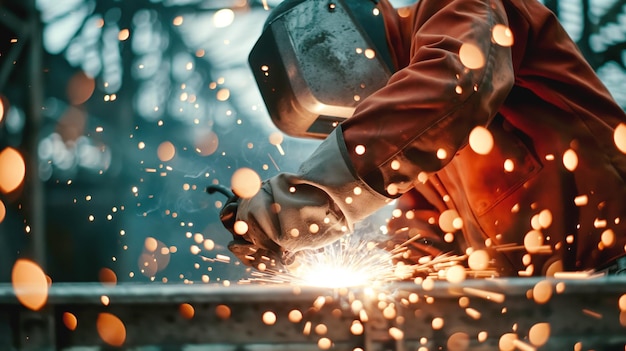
pixel 397 95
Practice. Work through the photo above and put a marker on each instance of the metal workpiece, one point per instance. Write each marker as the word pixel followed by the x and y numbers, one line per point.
pixel 498 314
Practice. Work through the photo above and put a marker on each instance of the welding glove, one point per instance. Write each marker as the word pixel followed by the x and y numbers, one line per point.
pixel 306 210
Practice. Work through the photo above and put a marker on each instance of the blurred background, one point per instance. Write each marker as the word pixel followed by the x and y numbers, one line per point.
pixel 115 116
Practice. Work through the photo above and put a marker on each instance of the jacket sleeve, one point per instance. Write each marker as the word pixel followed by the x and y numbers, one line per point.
pixel 456 79
pixel 312 208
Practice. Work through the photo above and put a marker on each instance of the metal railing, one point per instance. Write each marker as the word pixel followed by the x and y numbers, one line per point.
pixel 500 314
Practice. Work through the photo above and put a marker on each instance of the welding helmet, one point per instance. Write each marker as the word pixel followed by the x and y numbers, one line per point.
pixel 316 59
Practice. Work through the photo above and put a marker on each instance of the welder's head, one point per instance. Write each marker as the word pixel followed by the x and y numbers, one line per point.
pixel 316 59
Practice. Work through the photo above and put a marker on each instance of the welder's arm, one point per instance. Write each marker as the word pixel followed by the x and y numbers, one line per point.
pixel 416 124
pixel 307 210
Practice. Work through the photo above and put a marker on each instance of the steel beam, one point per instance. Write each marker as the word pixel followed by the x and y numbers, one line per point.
pixel 474 315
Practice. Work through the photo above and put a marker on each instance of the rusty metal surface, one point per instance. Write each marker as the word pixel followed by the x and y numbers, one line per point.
pixel 581 314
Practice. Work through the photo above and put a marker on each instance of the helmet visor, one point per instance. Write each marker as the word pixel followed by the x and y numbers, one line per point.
pixel 313 64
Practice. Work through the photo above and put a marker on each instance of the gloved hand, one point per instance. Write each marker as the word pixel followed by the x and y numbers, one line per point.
pixel 307 210
pixel 242 246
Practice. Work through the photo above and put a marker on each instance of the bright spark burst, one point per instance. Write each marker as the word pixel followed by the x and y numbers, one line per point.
pixel 352 261
pixel 347 263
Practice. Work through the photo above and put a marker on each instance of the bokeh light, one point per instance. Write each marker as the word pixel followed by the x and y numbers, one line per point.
pixel 245 182
pixel 1 108
pixel 269 317
pixel 222 312
pixel 30 284
pixel 542 292
pixel 3 211
pixel 478 260
pixel 481 140
pixel 533 241
pixel 448 221
pixel 207 143
pixel 80 88
pixel 539 334
pixel 456 274
pixel 619 137
pixel 166 151
pixel 437 323
pixel 111 329
pixel 123 35
pixel 295 316
pixel 507 342
pixel 223 94
pixel 107 276
pixel 70 321
pixel 12 169
pixel 570 160
pixel 471 56
pixel 502 35
pixel 223 18
pixel 458 341
pixel 186 310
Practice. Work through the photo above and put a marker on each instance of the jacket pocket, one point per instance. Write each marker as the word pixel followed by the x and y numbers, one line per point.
pixel 486 180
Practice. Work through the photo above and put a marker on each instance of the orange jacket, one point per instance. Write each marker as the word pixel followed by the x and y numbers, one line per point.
pixel 554 176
